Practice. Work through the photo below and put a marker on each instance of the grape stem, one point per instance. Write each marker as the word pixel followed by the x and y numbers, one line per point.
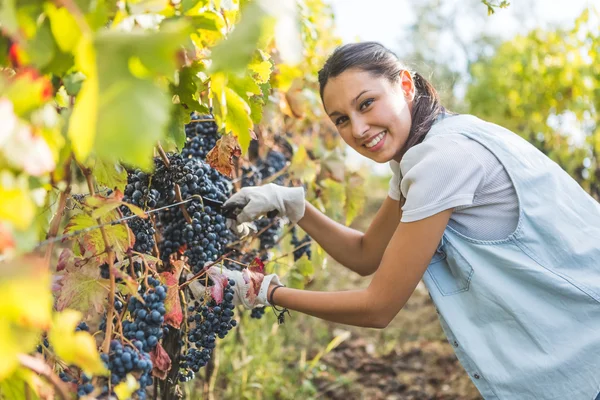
pixel 288 253
pixel 62 202
pixel 165 160
pixel 111 257
pixel 203 271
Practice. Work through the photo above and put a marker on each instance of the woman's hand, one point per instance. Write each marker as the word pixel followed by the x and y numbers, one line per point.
pixel 259 200
pixel 250 285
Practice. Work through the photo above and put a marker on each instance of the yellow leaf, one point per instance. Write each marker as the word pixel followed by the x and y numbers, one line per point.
pixel 64 27
pixel 262 69
pixel 125 390
pixel 302 167
pixel 82 125
pixel 17 207
pixel 75 347
pixel 25 306
pixel 285 76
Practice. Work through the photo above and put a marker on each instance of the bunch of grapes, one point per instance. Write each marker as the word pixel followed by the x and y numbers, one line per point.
pixel 201 136
pixel 138 191
pixel 272 230
pixel 123 359
pixel 205 237
pixel 299 252
pixel 209 321
pixel 273 163
pixel 251 176
pixel 148 316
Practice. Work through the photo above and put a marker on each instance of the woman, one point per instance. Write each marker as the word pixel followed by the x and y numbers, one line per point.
pixel 507 243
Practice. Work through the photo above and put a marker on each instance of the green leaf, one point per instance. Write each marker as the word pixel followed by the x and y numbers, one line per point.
pixel 334 197
pixel 119 114
pixel 8 16
pixel 243 85
pixel 42 47
pixel 355 197
pixel 305 266
pixel 295 280
pixel 82 289
pixel 235 53
pixel 208 20
pixel 256 108
pixel 110 174
pixel 176 131
pixel 73 83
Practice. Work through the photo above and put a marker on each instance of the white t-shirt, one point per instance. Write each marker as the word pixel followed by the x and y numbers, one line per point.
pixel 453 171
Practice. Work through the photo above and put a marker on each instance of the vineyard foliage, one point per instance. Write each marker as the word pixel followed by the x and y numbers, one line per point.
pixel 546 87
pixel 125 126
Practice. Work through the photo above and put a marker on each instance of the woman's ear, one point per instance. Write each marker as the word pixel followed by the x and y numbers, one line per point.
pixel 407 85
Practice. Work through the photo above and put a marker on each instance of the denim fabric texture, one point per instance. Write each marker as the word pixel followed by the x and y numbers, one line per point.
pixel 523 312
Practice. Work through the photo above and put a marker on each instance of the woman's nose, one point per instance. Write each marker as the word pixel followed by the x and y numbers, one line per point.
pixel 359 128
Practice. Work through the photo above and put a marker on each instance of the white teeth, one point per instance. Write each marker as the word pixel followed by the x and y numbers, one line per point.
pixel 375 140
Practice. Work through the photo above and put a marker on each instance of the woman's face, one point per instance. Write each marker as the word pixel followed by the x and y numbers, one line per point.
pixel 372 114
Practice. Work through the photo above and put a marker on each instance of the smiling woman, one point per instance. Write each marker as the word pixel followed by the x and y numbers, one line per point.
pixel 505 240
pixel 379 118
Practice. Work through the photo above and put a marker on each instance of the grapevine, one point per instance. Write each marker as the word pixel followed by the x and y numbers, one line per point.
pixel 133 184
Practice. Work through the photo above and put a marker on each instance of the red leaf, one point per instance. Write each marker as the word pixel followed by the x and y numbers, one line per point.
pixel 15 55
pixel 174 314
pixel 220 157
pixel 257 266
pixel 7 241
pixel 219 282
pixel 161 362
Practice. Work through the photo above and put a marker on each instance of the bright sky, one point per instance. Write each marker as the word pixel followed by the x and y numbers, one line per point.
pixel 386 21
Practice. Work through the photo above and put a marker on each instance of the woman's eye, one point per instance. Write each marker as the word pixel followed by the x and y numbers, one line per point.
pixel 340 120
pixel 366 104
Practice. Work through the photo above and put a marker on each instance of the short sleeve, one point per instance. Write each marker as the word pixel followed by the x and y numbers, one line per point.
pixel 394 190
pixel 440 173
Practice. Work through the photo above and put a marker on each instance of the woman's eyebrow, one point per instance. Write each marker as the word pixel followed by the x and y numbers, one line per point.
pixel 352 103
pixel 360 94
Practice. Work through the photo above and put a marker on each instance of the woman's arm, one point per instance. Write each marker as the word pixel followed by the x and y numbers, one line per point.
pixel 405 260
pixel 360 252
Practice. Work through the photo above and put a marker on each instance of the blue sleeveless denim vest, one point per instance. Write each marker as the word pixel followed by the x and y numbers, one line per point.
pixel 523 313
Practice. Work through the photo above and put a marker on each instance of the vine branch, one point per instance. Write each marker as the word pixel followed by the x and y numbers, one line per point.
pixel 111 257
pixel 43 369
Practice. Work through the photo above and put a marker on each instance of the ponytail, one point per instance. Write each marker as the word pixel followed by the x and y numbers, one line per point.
pixel 425 110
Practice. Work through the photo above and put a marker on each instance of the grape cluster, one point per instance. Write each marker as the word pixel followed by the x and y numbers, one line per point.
pixel 251 176
pixel 257 313
pixel 299 252
pixel 205 238
pixel 147 316
pixel 144 234
pixel 124 359
pixel 209 321
pixel 273 163
pixel 272 231
pixel 201 136
pixel 138 190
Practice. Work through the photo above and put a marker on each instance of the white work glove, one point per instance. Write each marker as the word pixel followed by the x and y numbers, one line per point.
pixel 250 287
pixel 258 200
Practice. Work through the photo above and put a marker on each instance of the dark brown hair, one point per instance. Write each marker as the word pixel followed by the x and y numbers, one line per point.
pixel 376 59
